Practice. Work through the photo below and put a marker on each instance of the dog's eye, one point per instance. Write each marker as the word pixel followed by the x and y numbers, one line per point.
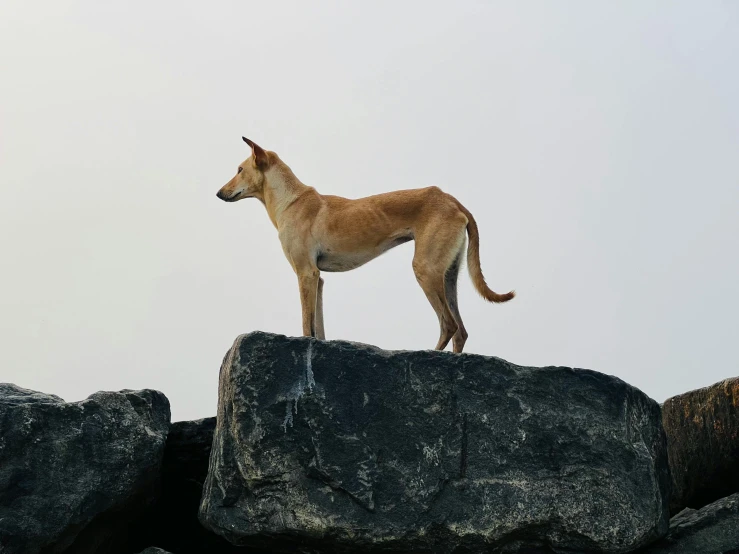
pixel 240 170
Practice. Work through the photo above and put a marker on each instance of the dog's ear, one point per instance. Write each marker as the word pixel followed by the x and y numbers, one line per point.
pixel 260 156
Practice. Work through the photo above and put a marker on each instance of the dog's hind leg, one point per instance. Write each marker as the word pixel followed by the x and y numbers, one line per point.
pixel 435 252
pixel 432 283
pixel 320 333
pixel 450 282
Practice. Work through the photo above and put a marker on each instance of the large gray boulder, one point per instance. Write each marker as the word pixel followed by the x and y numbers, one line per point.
pixel 714 529
pixel 336 446
pixel 73 474
pixel 702 428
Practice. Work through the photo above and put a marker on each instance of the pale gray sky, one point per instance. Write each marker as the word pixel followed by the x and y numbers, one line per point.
pixel 597 144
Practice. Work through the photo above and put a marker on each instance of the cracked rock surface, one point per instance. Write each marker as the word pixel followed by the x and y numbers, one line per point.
pixel 335 446
pixel 73 475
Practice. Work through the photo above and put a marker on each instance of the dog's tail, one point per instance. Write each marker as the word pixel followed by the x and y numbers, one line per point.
pixel 473 262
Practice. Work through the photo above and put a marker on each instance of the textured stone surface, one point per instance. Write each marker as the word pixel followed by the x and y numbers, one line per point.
pixel 154 550
pixel 188 449
pixel 714 529
pixel 345 447
pixel 702 428
pixel 72 475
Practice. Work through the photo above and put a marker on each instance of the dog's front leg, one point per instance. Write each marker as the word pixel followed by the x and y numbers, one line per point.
pixel 308 281
pixel 320 333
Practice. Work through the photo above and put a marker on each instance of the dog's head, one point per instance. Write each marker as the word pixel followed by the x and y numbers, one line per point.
pixel 249 179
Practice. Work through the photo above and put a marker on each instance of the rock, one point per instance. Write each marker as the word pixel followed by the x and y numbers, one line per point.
pixel 153 550
pixel 702 428
pixel 173 523
pixel 335 446
pixel 714 529
pixel 188 449
pixel 73 474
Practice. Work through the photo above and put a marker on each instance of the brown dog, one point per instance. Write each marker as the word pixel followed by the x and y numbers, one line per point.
pixel 331 233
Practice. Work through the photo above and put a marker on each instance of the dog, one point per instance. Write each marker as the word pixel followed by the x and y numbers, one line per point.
pixel 330 233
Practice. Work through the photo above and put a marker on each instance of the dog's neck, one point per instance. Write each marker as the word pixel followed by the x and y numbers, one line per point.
pixel 281 189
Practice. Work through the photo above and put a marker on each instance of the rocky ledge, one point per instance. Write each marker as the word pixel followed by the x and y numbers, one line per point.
pixel 338 447
pixel 350 447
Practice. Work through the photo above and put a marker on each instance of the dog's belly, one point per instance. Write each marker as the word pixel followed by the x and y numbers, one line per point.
pixel 332 260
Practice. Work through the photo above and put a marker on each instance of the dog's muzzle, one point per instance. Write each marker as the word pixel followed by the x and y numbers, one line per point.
pixel 225 198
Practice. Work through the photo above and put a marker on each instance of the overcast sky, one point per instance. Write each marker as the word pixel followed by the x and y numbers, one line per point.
pixel 596 143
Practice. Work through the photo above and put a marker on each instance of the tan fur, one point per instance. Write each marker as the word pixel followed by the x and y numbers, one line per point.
pixel 331 233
